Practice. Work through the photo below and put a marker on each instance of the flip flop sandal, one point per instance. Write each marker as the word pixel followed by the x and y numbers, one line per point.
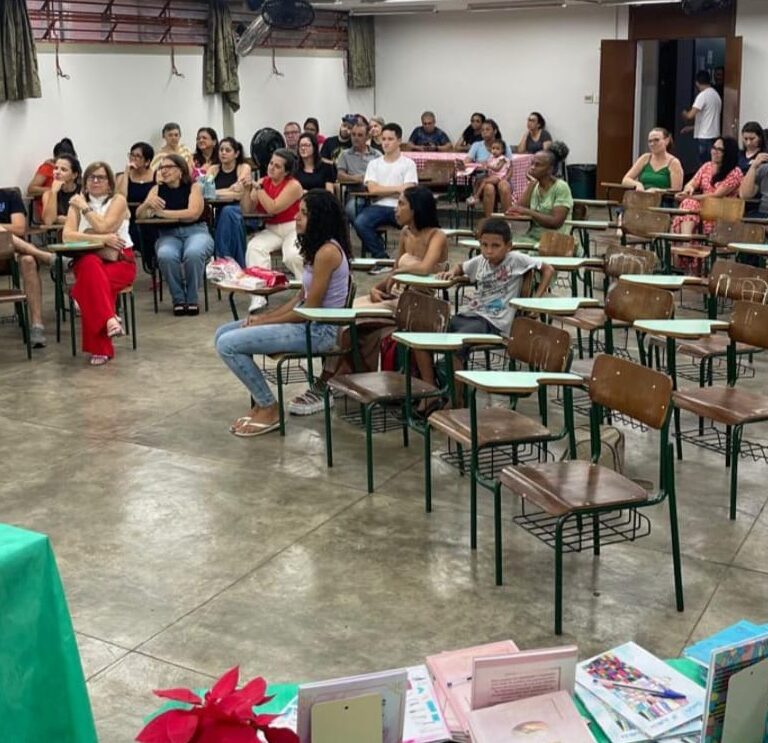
pixel 240 421
pixel 98 360
pixel 260 429
pixel 117 330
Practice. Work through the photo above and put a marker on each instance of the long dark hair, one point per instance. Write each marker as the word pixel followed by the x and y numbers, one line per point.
pixel 236 146
pixel 326 221
pixel 730 158
pixel 76 168
pixel 753 127
pixel 497 132
pixel 198 158
pixel 423 205
pixel 64 147
pixel 315 150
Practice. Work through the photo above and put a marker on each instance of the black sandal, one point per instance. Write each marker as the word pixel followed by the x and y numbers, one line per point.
pixel 193 309
pixel 179 310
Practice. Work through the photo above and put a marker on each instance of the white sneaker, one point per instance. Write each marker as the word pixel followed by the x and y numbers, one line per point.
pixel 257 303
pixel 308 403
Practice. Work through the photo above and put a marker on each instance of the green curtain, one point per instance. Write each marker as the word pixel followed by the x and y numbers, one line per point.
pixel 219 57
pixel 361 52
pixel 18 58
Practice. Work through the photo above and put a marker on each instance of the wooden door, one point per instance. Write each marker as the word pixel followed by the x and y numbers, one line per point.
pixel 616 114
pixel 732 87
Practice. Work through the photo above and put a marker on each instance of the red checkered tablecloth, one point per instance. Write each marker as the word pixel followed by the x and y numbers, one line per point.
pixel 517 179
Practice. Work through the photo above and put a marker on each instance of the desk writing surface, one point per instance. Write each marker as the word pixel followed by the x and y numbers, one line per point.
pixel 753 248
pixel 445 341
pixel 74 247
pixel 553 305
pixel 431 281
pixel 371 262
pixel 341 314
pixel 512 381
pixel 259 291
pixel 660 280
pixel 590 224
pixel 683 328
pixel 563 262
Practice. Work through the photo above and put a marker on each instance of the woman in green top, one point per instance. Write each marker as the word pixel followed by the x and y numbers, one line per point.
pixel 657 169
pixel 547 200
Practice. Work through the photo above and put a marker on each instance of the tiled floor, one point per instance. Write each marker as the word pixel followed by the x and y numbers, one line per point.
pixel 185 550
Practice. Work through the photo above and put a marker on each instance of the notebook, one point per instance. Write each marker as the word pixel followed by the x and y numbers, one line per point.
pixel 701 652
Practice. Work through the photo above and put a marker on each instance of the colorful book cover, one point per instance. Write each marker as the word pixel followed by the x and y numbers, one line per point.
pixel 725 662
pixel 424 722
pixel 651 695
pixel 701 651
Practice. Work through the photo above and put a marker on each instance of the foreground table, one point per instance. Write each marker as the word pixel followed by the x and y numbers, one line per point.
pixel 43 698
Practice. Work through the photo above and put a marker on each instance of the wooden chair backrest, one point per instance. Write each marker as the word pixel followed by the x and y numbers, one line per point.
pixel 579 212
pixel 749 324
pixel 641 199
pixel 544 347
pixel 6 246
pixel 418 312
pixel 726 232
pixel 642 223
pixel 621 259
pixel 731 210
pixel 626 387
pixel 437 173
pixel 556 244
pixel 738 281
pixel 630 302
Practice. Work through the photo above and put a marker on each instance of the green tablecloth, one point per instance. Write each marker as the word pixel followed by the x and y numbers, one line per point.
pixel 43 698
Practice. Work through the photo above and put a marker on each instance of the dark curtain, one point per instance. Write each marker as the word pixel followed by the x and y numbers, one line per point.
pixel 361 53
pixel 18 58
pixel 219 57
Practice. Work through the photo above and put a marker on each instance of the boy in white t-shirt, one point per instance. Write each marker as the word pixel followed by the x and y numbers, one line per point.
pixel 705 115
pixel 385 177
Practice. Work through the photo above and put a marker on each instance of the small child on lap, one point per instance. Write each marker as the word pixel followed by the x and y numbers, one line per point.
pixel 497 166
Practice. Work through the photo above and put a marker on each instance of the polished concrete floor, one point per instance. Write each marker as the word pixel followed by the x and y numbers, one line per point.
pixel 185 550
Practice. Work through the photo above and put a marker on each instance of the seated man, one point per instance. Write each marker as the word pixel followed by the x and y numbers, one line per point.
pixel 352 164
pixel 385 177
pixel 13 214
pixel 334 146
pixel 427 137
pixel 291 133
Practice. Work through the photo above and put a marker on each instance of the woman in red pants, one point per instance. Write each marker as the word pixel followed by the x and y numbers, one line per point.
pixel 99 215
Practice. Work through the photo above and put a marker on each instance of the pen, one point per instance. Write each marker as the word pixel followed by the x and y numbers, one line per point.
pixel 454 682
pixel 662 693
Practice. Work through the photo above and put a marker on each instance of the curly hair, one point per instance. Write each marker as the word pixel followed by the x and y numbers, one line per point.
pixel 560 150
pixel 326 221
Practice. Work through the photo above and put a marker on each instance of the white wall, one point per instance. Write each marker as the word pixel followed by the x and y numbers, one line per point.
pixel 504 64
pixel 118 95
pixel 752 25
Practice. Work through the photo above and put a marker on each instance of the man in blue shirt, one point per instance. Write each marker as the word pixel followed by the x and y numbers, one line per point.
pixel 427 137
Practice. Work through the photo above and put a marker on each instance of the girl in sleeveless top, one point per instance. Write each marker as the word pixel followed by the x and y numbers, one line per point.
pixel 184 247
pixel 99 215
pixel 657 169
pixel 67 175
pixel 323 244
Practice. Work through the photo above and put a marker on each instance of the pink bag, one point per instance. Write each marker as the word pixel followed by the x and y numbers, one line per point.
pixel 269 277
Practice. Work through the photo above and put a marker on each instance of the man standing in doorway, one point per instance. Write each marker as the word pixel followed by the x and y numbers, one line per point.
pixel 385 178
pixel 705 115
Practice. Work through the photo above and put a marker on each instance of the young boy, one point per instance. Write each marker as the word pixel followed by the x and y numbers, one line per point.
pixel 498 272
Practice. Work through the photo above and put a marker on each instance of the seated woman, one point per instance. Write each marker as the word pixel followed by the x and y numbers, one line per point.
pixel 471 134
pixel 547 200
pixel 480 152
pixel 43 177
pixel 231 177
pixel 135 183
pixel 312 126
pixel 657 169
pixel 67 175
pixel 375 127
pixel 206 152
pixel 720 177
pixel 172 146
pixel 100 215
pixel 311 171
pixel 276 196
pixel 324 249
pixel 536 137
pixel 184 248
pixel 753 139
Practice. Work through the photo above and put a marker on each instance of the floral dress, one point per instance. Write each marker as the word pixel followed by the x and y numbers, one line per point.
pixel 702 182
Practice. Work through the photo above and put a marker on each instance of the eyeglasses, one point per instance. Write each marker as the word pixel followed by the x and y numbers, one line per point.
pixel 291 131
pixel 167 167
pixel 97 178
pixel 718 149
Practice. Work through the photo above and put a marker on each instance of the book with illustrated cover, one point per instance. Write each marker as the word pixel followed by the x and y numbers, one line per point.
pixel 701 652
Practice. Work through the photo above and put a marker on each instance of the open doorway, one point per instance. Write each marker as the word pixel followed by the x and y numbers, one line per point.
pixel 665 87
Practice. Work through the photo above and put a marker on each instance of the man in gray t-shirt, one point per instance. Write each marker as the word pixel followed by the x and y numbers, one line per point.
pixel 352 164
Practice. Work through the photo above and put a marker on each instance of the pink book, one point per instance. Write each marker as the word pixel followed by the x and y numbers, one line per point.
pixel 549 718
pixel 451 673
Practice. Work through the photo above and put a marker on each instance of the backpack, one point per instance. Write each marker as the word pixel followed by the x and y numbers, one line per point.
pixel 611 447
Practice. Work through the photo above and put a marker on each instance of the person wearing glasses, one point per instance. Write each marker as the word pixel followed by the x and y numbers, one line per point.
pixel 183 248
pixel 100 215
pixel 719 178
pixel 657 169
pixel 536 137
pixel 311 171
pixel 291 132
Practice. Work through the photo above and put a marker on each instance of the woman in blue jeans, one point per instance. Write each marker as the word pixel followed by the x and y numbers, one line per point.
pixel 182 249
pixel 322 237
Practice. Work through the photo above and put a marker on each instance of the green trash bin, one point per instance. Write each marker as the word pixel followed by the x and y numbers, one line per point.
pixel 583 181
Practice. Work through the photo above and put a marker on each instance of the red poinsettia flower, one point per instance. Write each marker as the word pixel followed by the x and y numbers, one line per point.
pixel 224 715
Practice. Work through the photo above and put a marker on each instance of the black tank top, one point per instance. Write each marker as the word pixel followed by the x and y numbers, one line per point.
pixel 177 198
pixel 225 180
pixel 62 201
pixel 138 192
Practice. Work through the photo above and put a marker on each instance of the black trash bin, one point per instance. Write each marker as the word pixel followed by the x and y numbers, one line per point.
pixel 583 181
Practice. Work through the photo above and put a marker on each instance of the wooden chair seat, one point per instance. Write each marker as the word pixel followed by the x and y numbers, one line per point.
pixel 691 251
pixel 12 295
pixel 368 387
pixel 586 318
pixel 567 487
pixel 731 406
pixel 496 426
